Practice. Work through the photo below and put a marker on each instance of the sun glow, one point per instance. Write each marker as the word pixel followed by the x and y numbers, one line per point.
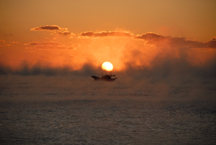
pixel 107 66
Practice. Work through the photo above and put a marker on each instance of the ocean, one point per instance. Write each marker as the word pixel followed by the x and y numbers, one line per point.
pixel 40 109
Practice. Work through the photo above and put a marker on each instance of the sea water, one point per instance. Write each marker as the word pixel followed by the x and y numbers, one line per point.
pixel 78 110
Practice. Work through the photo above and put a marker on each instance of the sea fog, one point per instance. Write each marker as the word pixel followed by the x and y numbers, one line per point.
pixel 70 87
pixel 75 109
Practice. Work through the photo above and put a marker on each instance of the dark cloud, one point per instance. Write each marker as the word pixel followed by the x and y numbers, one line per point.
pixel 150 36
pixel 48 28
pixel 46 45
pixel 53 28
pixel 106 34
pixel 154 38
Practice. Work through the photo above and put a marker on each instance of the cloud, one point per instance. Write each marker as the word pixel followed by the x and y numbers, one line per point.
pixel 106 34
pixel 53 28
pixel 46 45
pixel 66 33
pixel 49 28
pixel 153 38
pixel 150 36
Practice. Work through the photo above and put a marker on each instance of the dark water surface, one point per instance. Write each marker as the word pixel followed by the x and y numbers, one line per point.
pixel 40 111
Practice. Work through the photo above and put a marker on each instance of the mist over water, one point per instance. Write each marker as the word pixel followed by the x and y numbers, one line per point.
pixel 75 109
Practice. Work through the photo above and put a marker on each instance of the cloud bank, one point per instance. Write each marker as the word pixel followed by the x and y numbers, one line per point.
pixel 106 34
pixel 176 41
pixel 149 37
pixel 152 38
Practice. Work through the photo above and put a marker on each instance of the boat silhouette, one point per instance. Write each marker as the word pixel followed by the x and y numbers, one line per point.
pixel 106 77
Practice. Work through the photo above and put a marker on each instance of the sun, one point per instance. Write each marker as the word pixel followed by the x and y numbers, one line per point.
pixel 107 66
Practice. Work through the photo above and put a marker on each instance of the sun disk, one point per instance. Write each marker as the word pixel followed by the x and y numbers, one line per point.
pixel 107 66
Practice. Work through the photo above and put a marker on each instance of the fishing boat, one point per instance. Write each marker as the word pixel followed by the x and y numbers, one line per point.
pixel 106 77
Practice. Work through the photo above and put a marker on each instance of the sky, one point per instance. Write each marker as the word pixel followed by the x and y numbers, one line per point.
pixel 131 34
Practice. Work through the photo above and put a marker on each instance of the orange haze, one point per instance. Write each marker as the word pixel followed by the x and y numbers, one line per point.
pixel 124 49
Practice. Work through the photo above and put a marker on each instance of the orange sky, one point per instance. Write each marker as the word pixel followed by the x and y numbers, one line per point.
pixel 136 33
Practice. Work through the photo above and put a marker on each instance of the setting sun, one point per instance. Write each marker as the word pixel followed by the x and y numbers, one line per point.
pixel 107 66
